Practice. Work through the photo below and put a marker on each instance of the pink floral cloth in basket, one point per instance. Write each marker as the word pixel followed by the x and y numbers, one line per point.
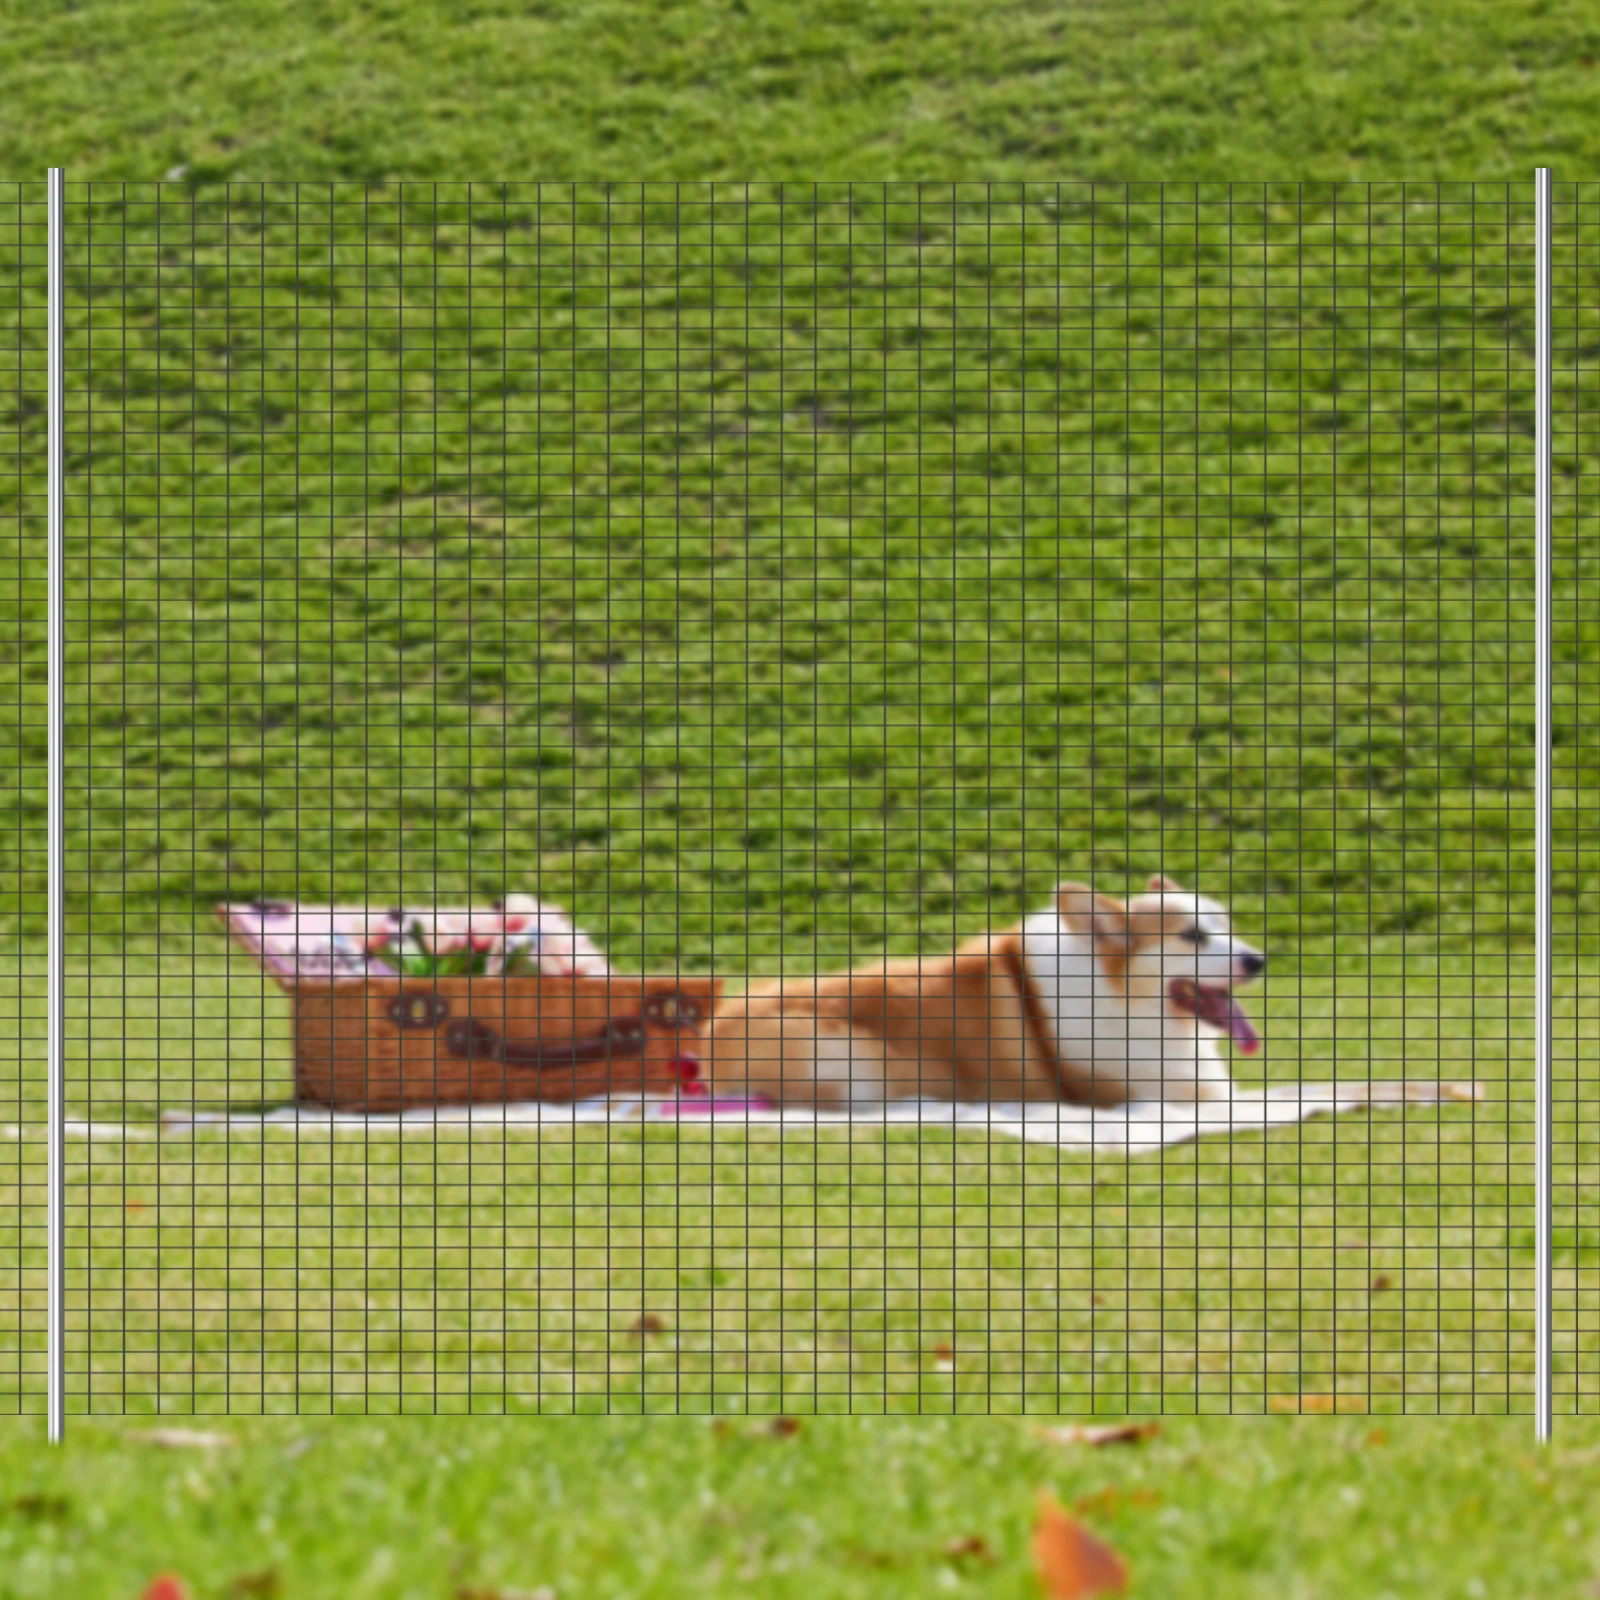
pixel 293 941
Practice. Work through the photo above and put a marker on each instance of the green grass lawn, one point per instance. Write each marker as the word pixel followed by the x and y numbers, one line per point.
pixel 834 567
pixel 1273 1508
pixel 807 604
pixel 1155 89
pixel 773 613
pixel 1381 1257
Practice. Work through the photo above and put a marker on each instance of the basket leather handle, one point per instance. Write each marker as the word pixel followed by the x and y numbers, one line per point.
pixel 477 1041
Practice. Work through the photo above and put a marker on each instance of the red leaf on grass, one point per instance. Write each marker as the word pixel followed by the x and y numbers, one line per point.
pixel 778 1428
pixel 169 1586
pixel 1072 1564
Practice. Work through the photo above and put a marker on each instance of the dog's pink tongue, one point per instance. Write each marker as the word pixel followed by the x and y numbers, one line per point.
pixel 1241 1030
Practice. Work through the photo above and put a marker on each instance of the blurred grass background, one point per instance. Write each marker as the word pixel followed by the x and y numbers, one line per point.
pixel 295 691
pixel 776 574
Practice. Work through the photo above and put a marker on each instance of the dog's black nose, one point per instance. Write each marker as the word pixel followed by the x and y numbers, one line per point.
pixel 1253 963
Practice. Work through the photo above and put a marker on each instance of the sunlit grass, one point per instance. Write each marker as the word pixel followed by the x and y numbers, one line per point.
pixel 396 1510
pixel 1383 1256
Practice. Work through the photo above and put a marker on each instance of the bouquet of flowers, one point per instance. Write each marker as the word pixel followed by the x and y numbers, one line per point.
pixel 519 936
pixel 419 951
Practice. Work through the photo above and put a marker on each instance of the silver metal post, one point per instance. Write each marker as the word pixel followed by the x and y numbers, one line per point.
pixel 1542 1061
pixel 55 1345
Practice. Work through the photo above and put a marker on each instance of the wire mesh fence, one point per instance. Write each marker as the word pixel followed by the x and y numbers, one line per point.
pixel 777 579
pixel 22 794
pixel 1575 301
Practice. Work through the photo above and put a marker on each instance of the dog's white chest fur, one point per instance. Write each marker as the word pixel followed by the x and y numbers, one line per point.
pixel 1124 1034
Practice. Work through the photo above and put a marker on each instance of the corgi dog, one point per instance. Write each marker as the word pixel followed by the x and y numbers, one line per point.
pixel 1092 1000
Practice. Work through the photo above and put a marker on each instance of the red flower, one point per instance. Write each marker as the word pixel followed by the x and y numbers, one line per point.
pixel 688 1070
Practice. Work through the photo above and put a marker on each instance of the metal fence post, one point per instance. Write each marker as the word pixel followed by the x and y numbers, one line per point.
pixel 1542 1090
pixel 55 1353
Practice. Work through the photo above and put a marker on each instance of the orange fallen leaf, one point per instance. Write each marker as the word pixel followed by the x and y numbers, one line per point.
pixel 1107 1502
pixel 169 1586
pixel 777 1428
pixel 1377 1437
pixel 1316 1404
pixel 1292 1404
pixel 972 1548
pixel 870 1558
pixel 1072 1564
pixel 1100 1434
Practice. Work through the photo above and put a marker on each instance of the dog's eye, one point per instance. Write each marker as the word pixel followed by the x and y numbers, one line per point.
pixel 1193 935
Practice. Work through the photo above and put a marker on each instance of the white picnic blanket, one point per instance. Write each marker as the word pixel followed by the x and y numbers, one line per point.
pixel 1127 1130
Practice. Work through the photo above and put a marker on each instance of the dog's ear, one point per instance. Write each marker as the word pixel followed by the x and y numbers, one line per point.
pixel 1161 884
pixel 1093 916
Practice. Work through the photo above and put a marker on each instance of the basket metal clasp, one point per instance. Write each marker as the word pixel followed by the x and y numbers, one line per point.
pixel 418 1009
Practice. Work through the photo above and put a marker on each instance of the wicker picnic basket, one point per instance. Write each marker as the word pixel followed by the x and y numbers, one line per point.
pixel 385 1044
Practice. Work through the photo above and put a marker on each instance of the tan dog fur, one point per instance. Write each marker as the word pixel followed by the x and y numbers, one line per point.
pixel 997 1020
